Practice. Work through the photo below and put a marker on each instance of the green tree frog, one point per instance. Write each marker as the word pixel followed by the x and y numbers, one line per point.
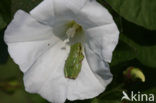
pixel 73 62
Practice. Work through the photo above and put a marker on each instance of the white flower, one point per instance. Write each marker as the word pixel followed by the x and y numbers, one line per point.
pixel 36 40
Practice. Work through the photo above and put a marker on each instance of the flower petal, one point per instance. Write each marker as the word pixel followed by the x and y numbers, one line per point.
pixel 46 75
pixel 101 41
pixel 27 39
pixel 57 14
pixel 25 28
pixel 26 53
pixel 54 12
pixel 87 85
pixel 93 14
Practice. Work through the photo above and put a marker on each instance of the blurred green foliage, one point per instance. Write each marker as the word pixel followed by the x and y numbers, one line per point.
pixel 5 13
pixel 136 20
pixel 141 12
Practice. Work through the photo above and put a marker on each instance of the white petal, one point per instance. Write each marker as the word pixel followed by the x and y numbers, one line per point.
pixel 87 85
pixel 53 12
pixel 25 28
pixel 28 39
pixel 101 41
pixel 26 53
pixel 57 14
pixel 46 76
pixel 93 14
pixel 78 4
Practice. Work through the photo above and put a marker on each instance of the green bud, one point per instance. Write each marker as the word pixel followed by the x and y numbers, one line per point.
pixel 9 86
pixel 134 73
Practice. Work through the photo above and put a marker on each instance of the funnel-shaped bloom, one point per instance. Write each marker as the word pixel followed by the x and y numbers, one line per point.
pixel 40 43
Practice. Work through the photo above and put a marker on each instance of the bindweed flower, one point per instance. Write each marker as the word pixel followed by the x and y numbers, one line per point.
pixel 63 47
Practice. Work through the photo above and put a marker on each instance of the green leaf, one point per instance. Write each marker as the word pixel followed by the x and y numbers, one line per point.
pixel 25 5
pixel 138 34
pixel 9 86
pixel 2 22
pixel 122 53
pixel 3 50
pixel 105 101
pixel 17 97
pixel 9 70
pixel 5 17
pixel 110 96
pixel 5 14
pixel 151 90
pixel 20 96
pixel 145 54
pixel 141 12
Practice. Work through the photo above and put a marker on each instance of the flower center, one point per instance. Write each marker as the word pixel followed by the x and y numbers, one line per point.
pixel 71 31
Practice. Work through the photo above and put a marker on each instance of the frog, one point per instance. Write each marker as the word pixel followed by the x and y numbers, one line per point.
pixel 73 63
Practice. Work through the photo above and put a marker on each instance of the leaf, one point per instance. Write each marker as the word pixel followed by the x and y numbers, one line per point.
pixel 17 97
pixel 20 96
pixel 138 34
pixel 9 86
pixel 25 5
pixel 3 48
pixel 141 12
pixel 2 22
pixel 145 54
pixel 9 70
pixel 122 53
pixel 151 90
pixel 5 17
pixel 5 14
pixel 112 96
pixel 105 101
